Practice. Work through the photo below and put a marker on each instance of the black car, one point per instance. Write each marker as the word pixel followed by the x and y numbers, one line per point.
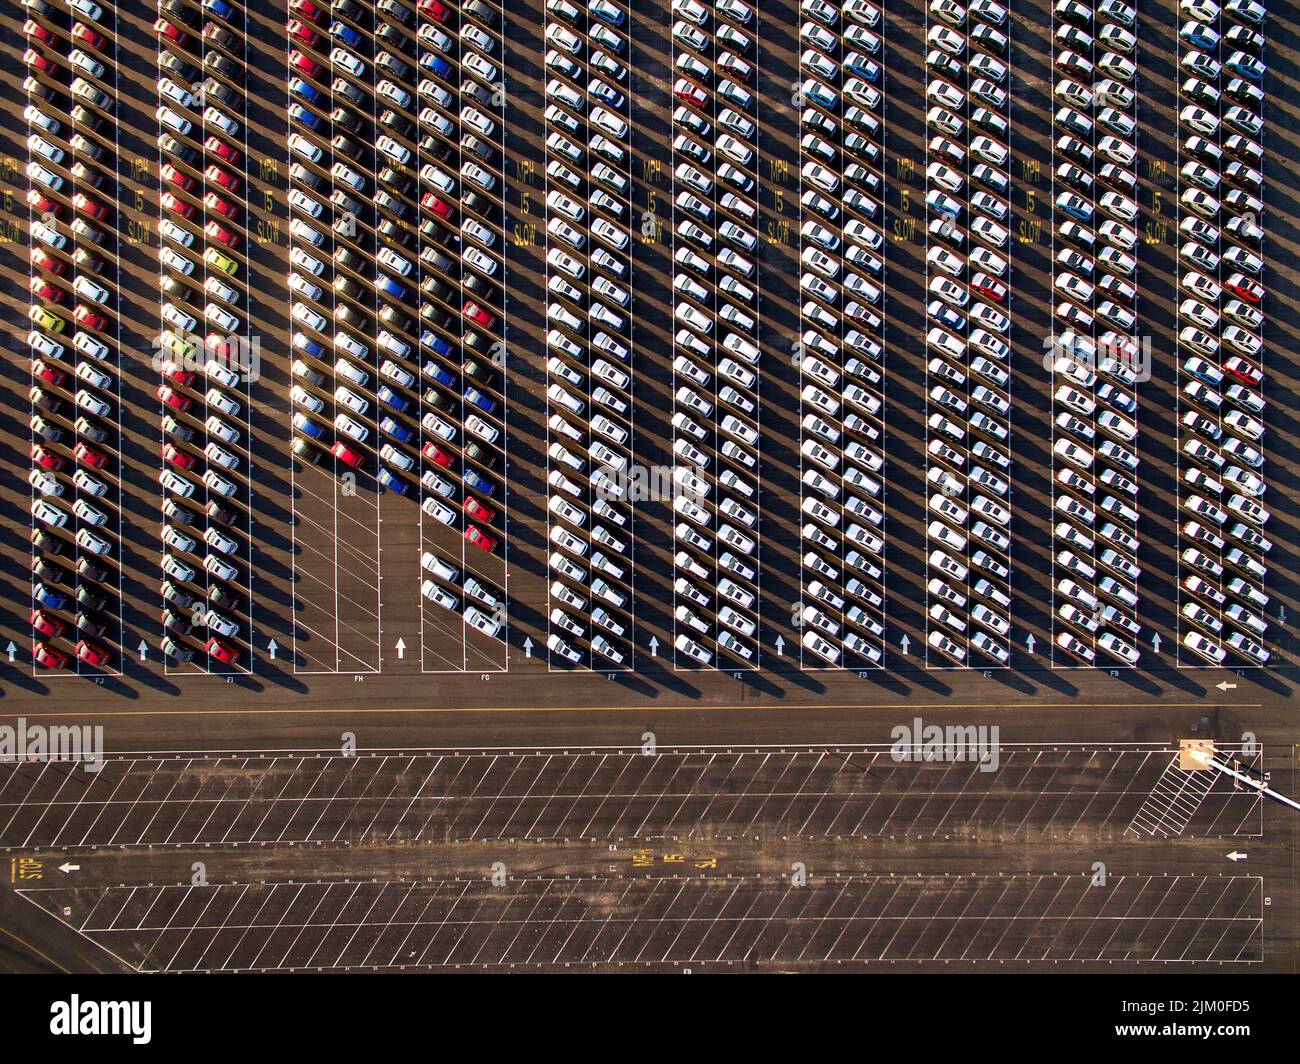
pixel 224 66
pixel 88 570
pixel 176 651
pixel 391 35
pixel 47 542
pixel 480 374
pixel 348 286
pixel 92 600
pixel 46 431
pixel 396 319
pixel 394 9
pixel 350 315
pixel 306 451
pixel 179 12
pixel 348 9
pixel 481 10
pixel 177 596
pixel 43 401
pixel 223 38
pixel 222 514
pixel 49 573
pixel 178 514
pixel 178 68
pixel 219 596
pixel 90 625
pixel 398 207
pixel 348 119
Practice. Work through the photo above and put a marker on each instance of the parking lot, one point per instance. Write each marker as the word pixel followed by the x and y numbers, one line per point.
pixel 599 338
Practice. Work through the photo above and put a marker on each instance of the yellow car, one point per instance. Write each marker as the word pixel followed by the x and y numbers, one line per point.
pixel 42 317
pixel 224 263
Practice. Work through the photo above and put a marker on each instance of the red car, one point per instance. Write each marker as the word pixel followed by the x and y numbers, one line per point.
pixel 1250 291
pixel 42 289
pixel 174 399
pixel 48 374
pixel 173 455
pixel 44 261
pixel 88 456
pixel 1246 372
pixel 440 207
pixel 436 454
pixel 50 627
pixel 306 9
pixel 689 92
pixel 433 9
pixel 225 208
pixel 480 538
pixel 91 319
pixel 213 231
pixel 92 653
pixel 223 652
pixel 305 34
pixel 346 455
pixel 47 459
pixel 177 206
pixel 49 658
pixel 301 63
pixel 40 63
pixel 224 178
pixel 42 35
pixel 42 204
pixel 221 149
pixel 478 315
pixel 83 33
pixel 177 37
pixel 183 377
pixel 89 207
pixel 180 180
pixel 478 511
pixel 989 286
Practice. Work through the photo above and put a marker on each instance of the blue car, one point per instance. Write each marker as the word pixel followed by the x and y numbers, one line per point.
pixel 1246 65
pixel 440 374
pixel 478 483
pixel 389 480
pixel 307 91
pixel 945 315
pixel 50 599
pixel 862 66
pixel 473 395
pixel 390 287
pixel 606 12
pixel 341 31
pixel 390 398
pixel 437 64
pixel 220 8
pixel 397 430
pixel 302 423
pixel 1199 34
pixel 306 344
pixel 435 343
pixel 300 114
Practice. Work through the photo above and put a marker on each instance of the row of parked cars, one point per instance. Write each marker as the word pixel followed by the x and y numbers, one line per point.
pixel 1094 359
pixel 967 375
pixel 395 185
pixel 715 351
pixel 839 355
pixel 588 341
pixel 73 337
pixel 203 351
pixel 1222 414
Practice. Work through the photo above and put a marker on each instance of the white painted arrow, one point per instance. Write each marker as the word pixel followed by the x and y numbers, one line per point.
pixel 905 642
pixel 1236 856
pixel 780 645
pixel 1223 685
pixel 401 648
pixel 272 647
pixel 11 650
pixel 143 649
pixel 1155 642
pixel 528 646
pixel 1029 642
pixel 66 868
pixel 654 646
